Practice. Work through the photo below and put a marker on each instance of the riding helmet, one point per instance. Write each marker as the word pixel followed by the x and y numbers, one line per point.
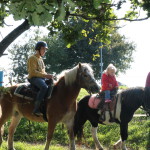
pixel 40 44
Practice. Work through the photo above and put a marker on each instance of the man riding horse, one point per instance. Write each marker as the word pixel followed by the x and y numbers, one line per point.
pixel 37 75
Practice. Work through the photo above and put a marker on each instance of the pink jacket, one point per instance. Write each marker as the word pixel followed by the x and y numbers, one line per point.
pixel 107 80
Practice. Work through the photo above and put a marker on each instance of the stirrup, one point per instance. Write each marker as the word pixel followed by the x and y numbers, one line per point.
pixel 101 118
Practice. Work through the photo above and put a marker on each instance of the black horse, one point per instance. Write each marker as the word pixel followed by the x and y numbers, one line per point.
pixel 127 102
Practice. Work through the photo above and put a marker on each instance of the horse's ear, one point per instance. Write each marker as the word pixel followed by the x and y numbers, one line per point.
pixel 79 65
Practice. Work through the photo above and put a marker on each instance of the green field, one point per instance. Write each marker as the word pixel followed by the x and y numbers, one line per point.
pixel 31 135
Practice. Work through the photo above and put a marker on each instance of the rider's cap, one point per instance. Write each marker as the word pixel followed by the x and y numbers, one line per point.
pixel 40 44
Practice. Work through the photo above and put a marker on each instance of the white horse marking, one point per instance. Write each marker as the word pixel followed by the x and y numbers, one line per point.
pixel 118 111
pixel 118 107
pixel 96 141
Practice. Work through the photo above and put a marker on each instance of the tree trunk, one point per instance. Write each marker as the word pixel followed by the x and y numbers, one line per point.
pixel 13 35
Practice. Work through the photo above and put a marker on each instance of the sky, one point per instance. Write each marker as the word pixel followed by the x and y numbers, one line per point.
pixel 138 32
pixel 4 60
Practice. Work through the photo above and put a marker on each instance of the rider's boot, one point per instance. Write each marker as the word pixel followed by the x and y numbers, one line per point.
pixel 36 110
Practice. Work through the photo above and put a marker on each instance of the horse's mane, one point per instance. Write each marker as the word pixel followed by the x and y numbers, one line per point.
pixel 70 74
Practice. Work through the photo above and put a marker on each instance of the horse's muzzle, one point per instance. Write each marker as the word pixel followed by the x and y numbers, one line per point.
pixel 94 89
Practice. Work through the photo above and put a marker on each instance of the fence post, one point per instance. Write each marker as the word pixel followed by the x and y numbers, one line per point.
pixel 1 78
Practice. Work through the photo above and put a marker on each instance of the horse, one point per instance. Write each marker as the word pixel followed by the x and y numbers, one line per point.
pixel 61 107
pixel 127 102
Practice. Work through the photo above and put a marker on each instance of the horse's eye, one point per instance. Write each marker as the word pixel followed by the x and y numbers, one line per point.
pixel 85 75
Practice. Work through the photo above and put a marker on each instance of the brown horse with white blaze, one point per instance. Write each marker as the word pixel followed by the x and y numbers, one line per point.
pixel 61 107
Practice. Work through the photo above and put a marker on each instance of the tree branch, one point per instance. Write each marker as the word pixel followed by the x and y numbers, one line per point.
pixel 13 35
pixel 109 19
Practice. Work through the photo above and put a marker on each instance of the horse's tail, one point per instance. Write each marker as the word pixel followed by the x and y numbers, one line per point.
pixel 80 117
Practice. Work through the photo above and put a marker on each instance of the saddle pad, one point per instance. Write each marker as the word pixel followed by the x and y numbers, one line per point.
pixel 94 101
pixel 25 92
pixel 21 91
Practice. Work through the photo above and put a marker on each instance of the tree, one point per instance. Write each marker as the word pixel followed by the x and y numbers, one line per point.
pixel 59 58
pixel 119 52
pixel 20 54
pixel 55 14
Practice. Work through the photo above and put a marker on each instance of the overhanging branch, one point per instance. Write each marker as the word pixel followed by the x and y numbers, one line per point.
pixel 109 19
pixel 13 35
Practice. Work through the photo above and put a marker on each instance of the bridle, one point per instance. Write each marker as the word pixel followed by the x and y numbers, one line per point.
pixel 81 75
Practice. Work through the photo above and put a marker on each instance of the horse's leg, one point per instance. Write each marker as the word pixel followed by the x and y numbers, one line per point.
pixel 118 144
pixel 5 114
pixel 69 125
pixel 124 136
pixel 1 134
pixel 96 141
pixel 51 128
pixel 12 128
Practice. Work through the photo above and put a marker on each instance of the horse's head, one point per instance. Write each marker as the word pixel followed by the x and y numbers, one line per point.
pixel 85 78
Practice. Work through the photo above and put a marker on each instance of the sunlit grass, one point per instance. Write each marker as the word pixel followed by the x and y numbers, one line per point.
pixel 27 146
pixel 35 133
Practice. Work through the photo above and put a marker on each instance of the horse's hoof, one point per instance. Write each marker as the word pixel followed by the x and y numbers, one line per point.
pixel 114 147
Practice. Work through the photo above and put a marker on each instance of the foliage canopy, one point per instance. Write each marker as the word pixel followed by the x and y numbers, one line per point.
pixel 55 15
pixel 42 12
pixel 59 57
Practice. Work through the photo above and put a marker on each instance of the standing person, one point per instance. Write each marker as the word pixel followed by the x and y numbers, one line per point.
pixel 37 74
pixel 147 84
pixel 109 82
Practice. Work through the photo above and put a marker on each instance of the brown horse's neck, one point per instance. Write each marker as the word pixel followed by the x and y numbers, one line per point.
pixel 66 93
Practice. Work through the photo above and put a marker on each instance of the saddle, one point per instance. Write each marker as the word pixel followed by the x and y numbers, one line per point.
pixel 107 106
pixel 29 92
pixel 98 102
pixel 102 105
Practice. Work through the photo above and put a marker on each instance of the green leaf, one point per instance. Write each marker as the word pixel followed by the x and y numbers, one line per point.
pixel 68 45
pixel 106 1
pixel 62 13
pixel 30 6
pixel 96 3
pixel 35 18
pixel 46 17
pixel 71 4
pixel 90 41
pixel 40 9
pixel 39 1
pixel 84 32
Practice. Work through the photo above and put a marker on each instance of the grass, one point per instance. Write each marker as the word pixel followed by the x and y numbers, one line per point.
pixel 83 92
pixel 33 135
pixel 27 146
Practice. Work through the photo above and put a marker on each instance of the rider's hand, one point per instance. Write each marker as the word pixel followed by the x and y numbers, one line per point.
pixel 48 76
pixel 116 87
pixel 110 85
